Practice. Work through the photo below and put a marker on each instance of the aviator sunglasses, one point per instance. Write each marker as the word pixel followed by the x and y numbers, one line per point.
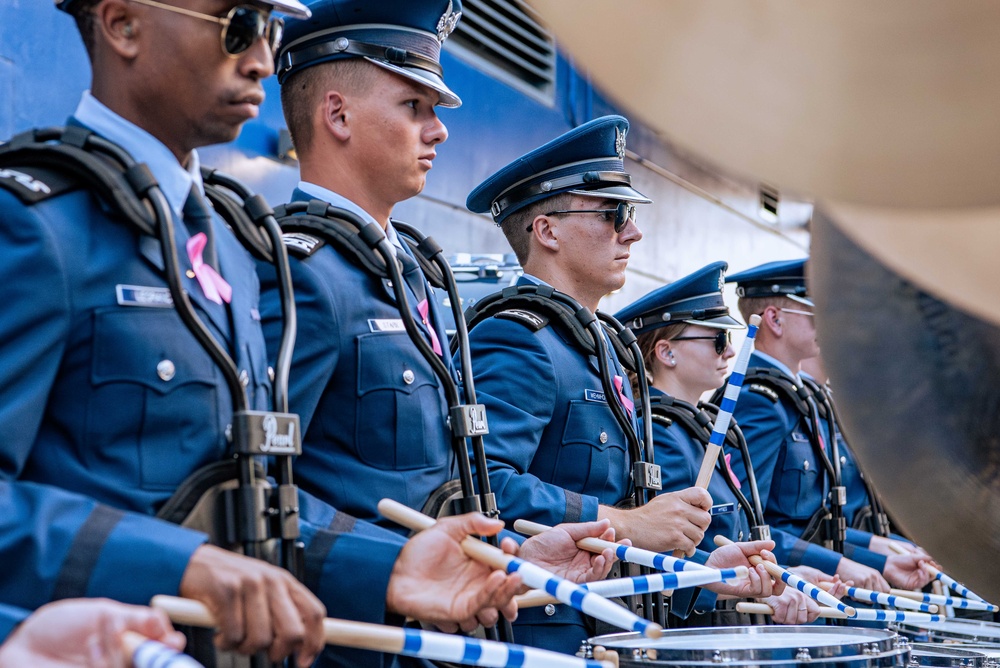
pixel 240 27
pixel 722 340
pixel 624 212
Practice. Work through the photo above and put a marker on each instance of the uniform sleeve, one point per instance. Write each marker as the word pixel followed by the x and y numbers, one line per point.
pixel 764 425
pixel 790 550
pixel 858 537
pixel 865 557
pixel 516 381
pixel 677 467
pixel 315 356
pixel 60 544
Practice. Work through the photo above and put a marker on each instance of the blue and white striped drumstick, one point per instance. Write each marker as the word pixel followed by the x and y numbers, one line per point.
pixel 946 580
pixel 965 603
pixel 536 577
pixel 725 416
pixel 148 653
pixel 792 580
pixel 863 614
pixel 890 600
pixel 394 640
pixel 633 555
pixel 642 584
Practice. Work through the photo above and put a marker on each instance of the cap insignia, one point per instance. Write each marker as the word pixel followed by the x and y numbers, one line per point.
pixel 447 22
pixel 722 281
pixel 620 143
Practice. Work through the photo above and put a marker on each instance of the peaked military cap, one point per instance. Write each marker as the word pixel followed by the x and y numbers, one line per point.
pixel 587 160
pixel 402 36
pixel 290 7
pixel 695 299
pixel 783 278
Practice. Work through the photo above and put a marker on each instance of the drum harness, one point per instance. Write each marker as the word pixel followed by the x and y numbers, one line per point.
pixel 874 512
pixel 230 500
pixel 827 525
pixel 538 306
pixel 307 226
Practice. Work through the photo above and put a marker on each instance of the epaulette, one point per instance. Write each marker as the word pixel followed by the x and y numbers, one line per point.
pixel 301 244
pixel 533 321
pixel 763 389
pixel 32 185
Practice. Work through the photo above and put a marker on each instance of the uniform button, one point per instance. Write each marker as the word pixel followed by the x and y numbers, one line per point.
pixel 603 437
pixel 550 609
pixel 270 373
pixel 244 378
pixel 166 370
pixel 843 459
pixel 805 465
pixel 740 537
pixel 408 377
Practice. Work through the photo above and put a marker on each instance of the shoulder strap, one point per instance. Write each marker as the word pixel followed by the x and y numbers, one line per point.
pixel 424 248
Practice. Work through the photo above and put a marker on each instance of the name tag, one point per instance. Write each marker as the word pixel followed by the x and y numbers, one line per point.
pixel 138 295
pixel 722 509
pixel 385 325
pixel 594 395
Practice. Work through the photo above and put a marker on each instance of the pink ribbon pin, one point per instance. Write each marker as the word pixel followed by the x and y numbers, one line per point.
pixel 625 401
pixel 424 309
pixel 732 476
pixel 213 285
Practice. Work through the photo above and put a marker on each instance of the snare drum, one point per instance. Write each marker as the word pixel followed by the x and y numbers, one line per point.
pixel 952 630
pixel 939 654
pixel 745 646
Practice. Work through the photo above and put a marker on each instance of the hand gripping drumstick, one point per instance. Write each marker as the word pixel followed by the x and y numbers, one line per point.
pixel 863 614
pixel 725 416
pixel 881 598
pixel 792 580
pixel 633 555
pixel 411 642
pixel 642 584
pixel 534 576
pixel 944 600
pixel 149 653
pixel 949 582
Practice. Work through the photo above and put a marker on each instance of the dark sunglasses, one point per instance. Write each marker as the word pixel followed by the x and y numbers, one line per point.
pixel 722 340
pixel 241 27
pixel 624 212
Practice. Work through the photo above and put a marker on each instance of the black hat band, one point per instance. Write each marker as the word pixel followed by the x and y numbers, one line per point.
pixel 770 290
pixel 591 179
pixel 667 317
pixel 342 45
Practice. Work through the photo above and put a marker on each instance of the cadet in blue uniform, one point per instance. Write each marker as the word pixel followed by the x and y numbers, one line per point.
pixel 555 450
pixel 108 395
pixel 790 473
pixel 683 330
pixel 366 132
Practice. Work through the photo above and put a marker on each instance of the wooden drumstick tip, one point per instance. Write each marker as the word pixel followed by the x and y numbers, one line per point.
pixel 755 320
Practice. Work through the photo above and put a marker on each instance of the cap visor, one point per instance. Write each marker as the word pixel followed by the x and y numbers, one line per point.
pixel 722 322
pixel 801 300
pixel 429 79
pixel 290 7
pixel 623 193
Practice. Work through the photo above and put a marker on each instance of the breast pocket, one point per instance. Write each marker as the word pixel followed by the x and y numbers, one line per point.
pixel 155 399
pixel 400 423
pixel 801 489
pixel 593 458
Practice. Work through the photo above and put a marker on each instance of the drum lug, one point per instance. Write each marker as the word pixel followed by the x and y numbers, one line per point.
pixel 717 657
pixel 901 643
pixel 586 650
pixel 871 650
pixel 803 654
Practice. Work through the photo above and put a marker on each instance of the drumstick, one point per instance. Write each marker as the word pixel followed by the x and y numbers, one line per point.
pixel 411 642
pixel 641 584
pixel 792 580
pixel 944 600
pixel 946 580
pixel 633 555
pixel 725 416
pixel 862 614
pixel 881 598
pixel 149 653
pixel 534 576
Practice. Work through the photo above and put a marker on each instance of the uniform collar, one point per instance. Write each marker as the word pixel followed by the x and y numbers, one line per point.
pixel 175 181
pixel 780 366
pixel 342 202
pixel 531 278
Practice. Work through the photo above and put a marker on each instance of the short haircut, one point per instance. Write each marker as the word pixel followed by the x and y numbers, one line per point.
pixel 749 306
pixel 86 24
pixel 515 225
pixel 302 92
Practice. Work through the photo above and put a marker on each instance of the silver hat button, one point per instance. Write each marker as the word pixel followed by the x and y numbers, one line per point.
pixel 166 370
pixel 408 377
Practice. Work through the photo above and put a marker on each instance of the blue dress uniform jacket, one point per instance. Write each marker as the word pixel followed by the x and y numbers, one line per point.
pixel 10 617
pixel 114 400
pixel 373 412
pixel 555 451
pixel 790 478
